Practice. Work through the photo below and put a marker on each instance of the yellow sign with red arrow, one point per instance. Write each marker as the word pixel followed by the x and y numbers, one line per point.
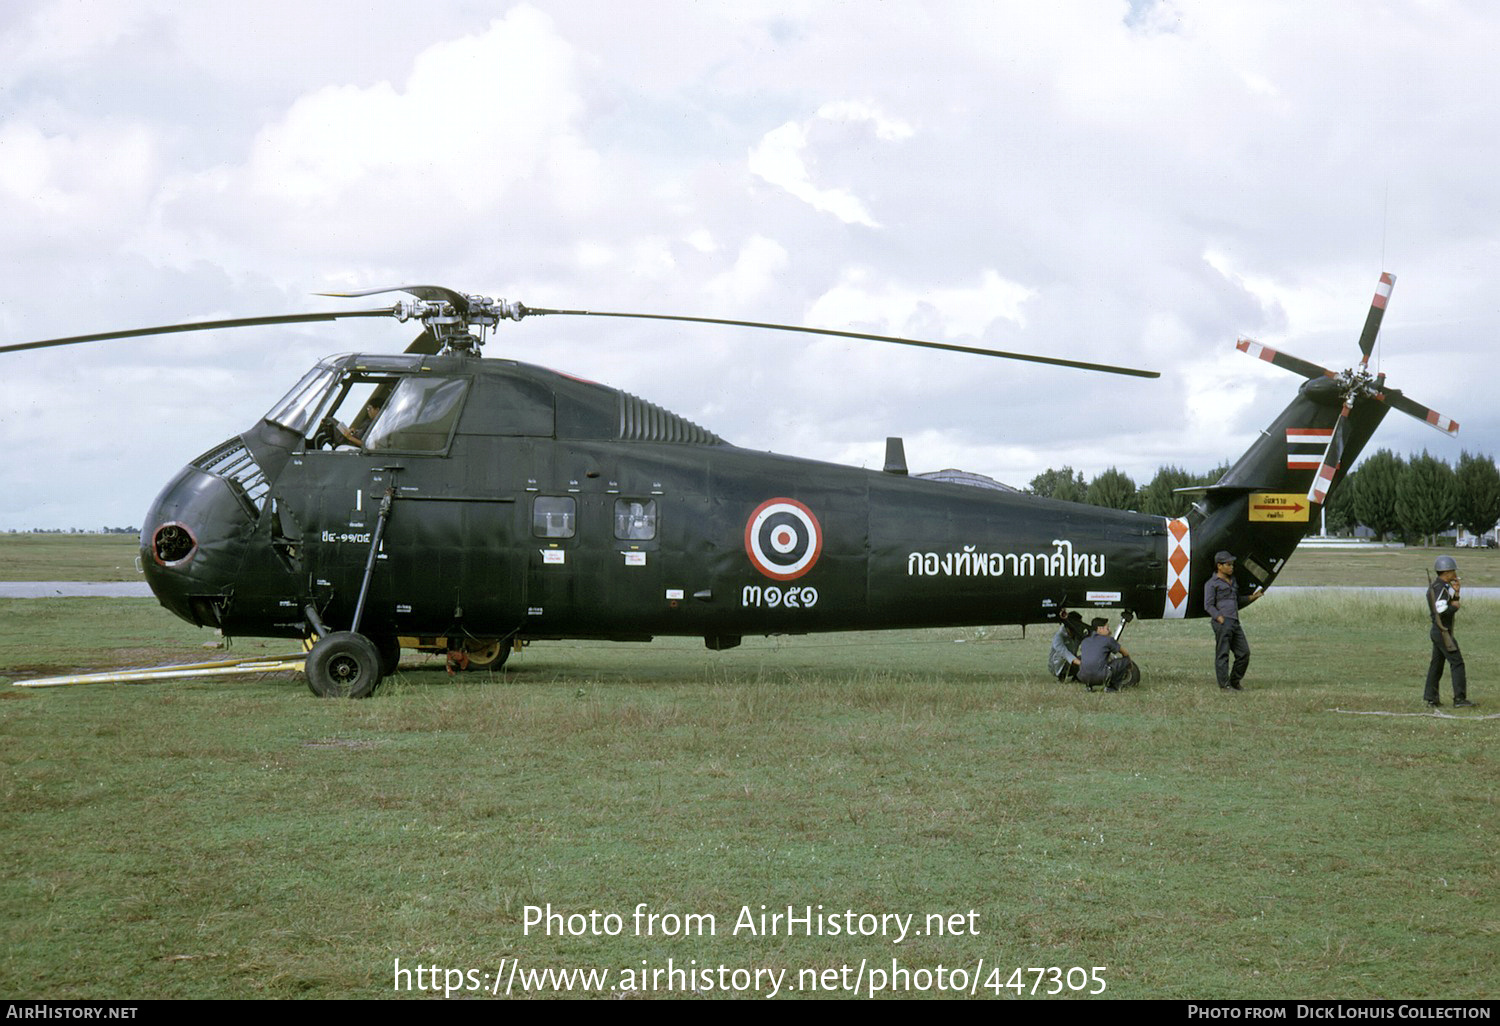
pixel 1271 506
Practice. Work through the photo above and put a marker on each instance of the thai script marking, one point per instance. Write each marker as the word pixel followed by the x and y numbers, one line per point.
pixel 770 596
pixel 1062 561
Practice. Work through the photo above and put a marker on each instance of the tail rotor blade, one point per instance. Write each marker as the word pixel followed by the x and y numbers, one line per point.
pixel 1377 314
pixel 1286 361
pixel 1323 479
pixel 1426 414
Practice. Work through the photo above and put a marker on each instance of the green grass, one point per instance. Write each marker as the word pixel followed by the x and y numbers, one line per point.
pixel 1387 568
pixel 69 557
pixel 216 838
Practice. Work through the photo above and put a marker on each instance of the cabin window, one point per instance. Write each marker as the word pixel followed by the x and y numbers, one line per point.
pixel 635 519
pixel 418 416
pixel 553 516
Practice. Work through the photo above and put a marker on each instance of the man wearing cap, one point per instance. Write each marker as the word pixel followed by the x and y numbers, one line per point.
pixel 1221 601
pixel 1095 665
pixel 1442 603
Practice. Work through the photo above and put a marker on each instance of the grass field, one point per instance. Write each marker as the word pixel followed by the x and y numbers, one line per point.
pixel 244 839
pixel 68 557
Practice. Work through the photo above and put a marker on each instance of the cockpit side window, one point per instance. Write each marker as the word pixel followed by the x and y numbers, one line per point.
pixel 418 415
pixel 351 417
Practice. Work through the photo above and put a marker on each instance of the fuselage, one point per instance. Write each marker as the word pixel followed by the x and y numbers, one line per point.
pixel 525 503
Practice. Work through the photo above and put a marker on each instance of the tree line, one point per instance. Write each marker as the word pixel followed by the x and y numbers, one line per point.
pixel 1419 497
pixel 1115 489
pixel 1414 498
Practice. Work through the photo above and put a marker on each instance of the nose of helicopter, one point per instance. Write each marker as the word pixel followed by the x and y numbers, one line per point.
pixel 193 544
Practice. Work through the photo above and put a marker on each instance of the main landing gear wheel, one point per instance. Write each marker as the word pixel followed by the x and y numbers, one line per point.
pixel 343 665
pixel 389 647
pixel 487 655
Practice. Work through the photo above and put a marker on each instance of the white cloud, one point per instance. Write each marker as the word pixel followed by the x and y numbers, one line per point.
pixel 1135 184
pixel 67 183
pixel 897 307
pixel 474 117
pixel 780 159
pixel 760 262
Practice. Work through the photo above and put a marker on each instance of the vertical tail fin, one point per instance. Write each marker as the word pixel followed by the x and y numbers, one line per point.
pixel 1274 494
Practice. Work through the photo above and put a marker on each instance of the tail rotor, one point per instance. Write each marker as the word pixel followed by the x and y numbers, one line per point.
pixel 1355 385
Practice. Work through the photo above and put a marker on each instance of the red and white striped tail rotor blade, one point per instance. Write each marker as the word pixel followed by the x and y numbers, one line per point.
pixel 1323 479
pixel 1286 361
pixel 1377 314
pixel 1396 401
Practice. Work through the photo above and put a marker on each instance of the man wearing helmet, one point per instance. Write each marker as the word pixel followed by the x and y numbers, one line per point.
pixel 1442 603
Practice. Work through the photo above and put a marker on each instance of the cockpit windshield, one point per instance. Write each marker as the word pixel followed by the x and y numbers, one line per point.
pixel 299 407
pixel 374 404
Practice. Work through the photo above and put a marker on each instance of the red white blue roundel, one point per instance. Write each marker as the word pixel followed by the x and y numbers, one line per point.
pixel 783 539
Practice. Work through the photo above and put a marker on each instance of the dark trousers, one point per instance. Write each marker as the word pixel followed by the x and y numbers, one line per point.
pixel 1455 661
pixel 1229 638
pixel 1115 675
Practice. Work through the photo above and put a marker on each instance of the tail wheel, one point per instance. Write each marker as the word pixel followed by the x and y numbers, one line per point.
pixel 343 665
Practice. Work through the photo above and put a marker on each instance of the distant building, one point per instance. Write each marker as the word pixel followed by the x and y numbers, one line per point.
pixel 1488 540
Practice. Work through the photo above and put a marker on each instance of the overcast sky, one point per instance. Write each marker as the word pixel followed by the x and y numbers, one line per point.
pixel 1137 183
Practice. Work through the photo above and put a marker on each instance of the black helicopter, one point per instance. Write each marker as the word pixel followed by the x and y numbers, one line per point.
pixel 440 495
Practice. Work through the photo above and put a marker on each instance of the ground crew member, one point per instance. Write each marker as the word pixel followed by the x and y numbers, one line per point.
pixel 1062 660
pixel 1095 664
pixel 1442 603
pixel 1221 601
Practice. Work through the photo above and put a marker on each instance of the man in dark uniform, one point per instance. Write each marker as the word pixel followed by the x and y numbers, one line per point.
pixel 1221 601
pixel 1062 660
pixel 1442 603
pixel 1094 663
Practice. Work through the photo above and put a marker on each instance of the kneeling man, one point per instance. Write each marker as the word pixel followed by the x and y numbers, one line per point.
pixel 1102 660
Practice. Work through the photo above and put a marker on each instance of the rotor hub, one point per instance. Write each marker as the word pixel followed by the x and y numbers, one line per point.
pixel 452 321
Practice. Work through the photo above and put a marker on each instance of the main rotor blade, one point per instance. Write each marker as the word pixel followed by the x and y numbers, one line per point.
pixel 1377 314
pixel 950 347
pixel 425 345
pixel 168 329
pixel 431 293
pixel 1286 361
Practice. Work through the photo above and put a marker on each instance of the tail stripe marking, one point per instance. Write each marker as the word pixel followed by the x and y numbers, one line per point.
pixel 1179 567
pixel 1311 443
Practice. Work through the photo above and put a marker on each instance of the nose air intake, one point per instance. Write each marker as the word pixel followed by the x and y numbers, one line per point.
pixel 173 544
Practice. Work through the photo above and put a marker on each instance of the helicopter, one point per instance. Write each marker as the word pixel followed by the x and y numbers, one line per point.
pixel 453 500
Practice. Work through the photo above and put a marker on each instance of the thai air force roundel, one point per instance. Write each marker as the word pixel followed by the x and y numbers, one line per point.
pixel 783 539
